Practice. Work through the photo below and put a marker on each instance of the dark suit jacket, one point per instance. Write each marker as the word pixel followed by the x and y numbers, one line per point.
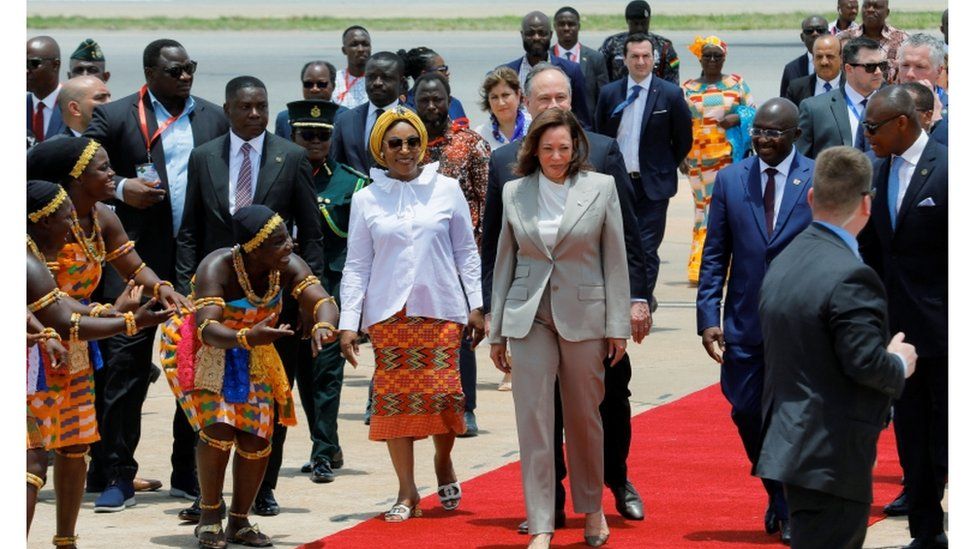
pixel 805 86
pixel 737 235
pixel 794 69
pixel 940 131
pixel 577 83
pixel 665 132
pixel 605 158
pixel 824 123
pixel 284 184
pixel 349 139
pixel 54 126
pixel 829 379
pixel 116 126
pixel 913 259
pixel 594 68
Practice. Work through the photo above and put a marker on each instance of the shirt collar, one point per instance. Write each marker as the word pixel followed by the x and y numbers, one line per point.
pixel 158 107
pixel 646 84
pixel 833 83
pixel 372 107
pixel 853 95
pixel 783 167
pixel 384 182
pixel 257 143
pixel 50 101
pixel 914 153
pixel 561 51
pixel 845 236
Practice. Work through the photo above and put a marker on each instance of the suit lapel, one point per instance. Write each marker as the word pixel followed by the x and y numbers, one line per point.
pixel 527 211
pixel 272 160
pixel 158 154
pixel 926 165
pixel 839 109
pixel 753 191
pixel 218 164
pixel 620 94
pixel 579 198
pixel 879 209
pixel 792 194
pixel 652 94
pixel 359 141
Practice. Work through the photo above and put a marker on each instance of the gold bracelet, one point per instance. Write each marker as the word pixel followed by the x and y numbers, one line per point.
pixel 138 270
pixel 35 481
pixel 329 299
pixel 202 326
pixel 50 333
pixel 323 325
pixel 223 445
pixel 242 338
pixel 209 507
pixel 130 324
pixel 45 300
pixel 120 251
pixel 75 327
pixel 159 285
pixel 309 280
pixel 98 309
pixel 202 302
pixel 64 541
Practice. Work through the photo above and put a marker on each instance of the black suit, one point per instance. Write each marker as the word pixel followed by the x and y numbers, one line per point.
pixel 615 408
pixel 828 387
pixel 349 140
pixel 122 385
pixel 913 261
pixel 794 69
pixel 806 86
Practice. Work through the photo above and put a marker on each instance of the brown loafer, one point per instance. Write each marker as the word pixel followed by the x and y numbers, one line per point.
pixel 146 484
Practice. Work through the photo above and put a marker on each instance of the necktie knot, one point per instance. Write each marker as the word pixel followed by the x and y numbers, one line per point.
pixel 634 94
pixel 827 86
pixel 246 148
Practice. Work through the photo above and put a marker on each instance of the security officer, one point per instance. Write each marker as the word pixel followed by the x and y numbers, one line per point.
pixel 88 60
pixel 320 379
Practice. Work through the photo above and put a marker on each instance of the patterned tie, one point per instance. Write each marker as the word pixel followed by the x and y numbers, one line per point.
pixel 859 142
pixel 894 186
pixel 37 122
pixel 827 87
pixel 769 199
pixel 569 55
pixel 243 196
pixel 634 93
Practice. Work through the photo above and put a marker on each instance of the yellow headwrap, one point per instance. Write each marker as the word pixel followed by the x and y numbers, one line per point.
pixel 699 44
pixel 388 119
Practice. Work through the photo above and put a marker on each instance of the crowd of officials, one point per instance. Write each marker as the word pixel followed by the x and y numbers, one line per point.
pixel 374 211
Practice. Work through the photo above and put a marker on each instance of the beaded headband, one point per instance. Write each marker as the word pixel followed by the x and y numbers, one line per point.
pixel 85 158
pixel 263 234
pixel 51 207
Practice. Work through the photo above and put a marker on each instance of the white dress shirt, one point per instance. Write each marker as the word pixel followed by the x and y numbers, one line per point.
pixel 906 169
pixel 782 171
pixel 236 158
pixel 561 52
pixel 410 244
pixel 629 131
pixel 50 102
pixel 371 117
pixel 854 116
pixel 552 205
pixel 819 88
pixel 350 91
pixel 810 63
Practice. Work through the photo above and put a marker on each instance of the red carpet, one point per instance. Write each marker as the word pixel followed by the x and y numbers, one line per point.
pixel 687 462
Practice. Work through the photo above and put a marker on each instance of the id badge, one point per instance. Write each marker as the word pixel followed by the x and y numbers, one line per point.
pixel 147 172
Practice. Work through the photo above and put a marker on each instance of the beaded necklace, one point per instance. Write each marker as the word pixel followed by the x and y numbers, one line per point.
pixel 274 277
pixel 52 266
pixel 95 245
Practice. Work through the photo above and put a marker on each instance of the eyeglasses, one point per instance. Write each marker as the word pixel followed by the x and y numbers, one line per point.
pixel 413 143
pixel 871 67
pixel 769 133
pixel 872 127
pixel 85 70
pixel 818 30
pixel 443 69
pixel 309 84
pixel 35 62
pixel 312 135
pixel 712 57
pixel 176 71
pixel 872 193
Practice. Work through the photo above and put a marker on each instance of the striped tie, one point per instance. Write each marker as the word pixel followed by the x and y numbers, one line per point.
pixel 242 196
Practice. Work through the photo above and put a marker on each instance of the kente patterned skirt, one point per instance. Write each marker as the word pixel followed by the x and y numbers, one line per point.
pixel 416 385
pixel 65 409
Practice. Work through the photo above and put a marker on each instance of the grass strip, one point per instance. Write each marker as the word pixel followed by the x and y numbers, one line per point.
pixel 704 23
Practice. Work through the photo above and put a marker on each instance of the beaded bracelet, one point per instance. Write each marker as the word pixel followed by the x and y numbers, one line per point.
pixel 159 285
pixel 309 280
pixel 98 309
pixel 75 327
pixel 50 333
pixel 45 300
pixel 202 302
pixel 323 326
pixel 130 324
pixel 202 326
pixel 242 338
pixel 120 251
pixel 35 481
pixel 138 270
pixel 260 454
pixel 329 299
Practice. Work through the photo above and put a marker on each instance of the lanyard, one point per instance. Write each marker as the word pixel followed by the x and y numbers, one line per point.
pixel 349 85
pixel 144 128
pixel 852 108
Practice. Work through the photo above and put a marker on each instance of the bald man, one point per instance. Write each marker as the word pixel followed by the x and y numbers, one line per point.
pixel 827 71
pixel 43 67
pixel 78 99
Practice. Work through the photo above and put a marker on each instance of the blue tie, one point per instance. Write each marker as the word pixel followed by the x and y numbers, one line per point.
pixel 827 87
pixel 860 143
pixel 894 185
pixel 634 94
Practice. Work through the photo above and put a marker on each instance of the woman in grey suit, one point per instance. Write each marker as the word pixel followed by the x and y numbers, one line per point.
pixel 561 306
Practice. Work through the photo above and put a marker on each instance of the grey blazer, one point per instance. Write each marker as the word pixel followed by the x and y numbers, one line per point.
pixel 824 122
pixel 586 269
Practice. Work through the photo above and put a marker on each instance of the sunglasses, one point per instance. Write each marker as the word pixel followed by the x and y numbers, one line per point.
pixel 768 133
pixel 312 135
pixel 871 127
pixel 712 57
pixel 871 67
pixel 176 71
pixel 443 69
pixel 309 84
pixel 413 143
pixel 35 62
pixel 818 30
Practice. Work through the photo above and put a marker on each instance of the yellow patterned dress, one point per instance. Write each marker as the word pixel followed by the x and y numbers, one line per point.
pixel 232 386
pixel 710 150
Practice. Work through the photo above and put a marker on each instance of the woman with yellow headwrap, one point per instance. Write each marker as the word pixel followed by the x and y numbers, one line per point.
pixel 412 279
pixel 721 112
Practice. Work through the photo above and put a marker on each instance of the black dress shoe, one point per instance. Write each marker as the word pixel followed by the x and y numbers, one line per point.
pixel 322 473
pixel 307 467
pixel 785 532
pixel 336 461
pixel 265 504
pixel 192 513
pixel 558 522
pixel 898 506
pixel 770 524
pixel 929 542
pixel 628 501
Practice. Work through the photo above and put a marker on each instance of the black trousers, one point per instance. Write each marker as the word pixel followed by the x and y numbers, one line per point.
pixel 652 216
pixel 120 390
pixel 824 521
pixel 615 413
pixel 469 375
pixel 921 430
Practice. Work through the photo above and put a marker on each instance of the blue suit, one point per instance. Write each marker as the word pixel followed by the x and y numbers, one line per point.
pixel 665 139
pixel 737 235
pixel 54 126
pixel 576 81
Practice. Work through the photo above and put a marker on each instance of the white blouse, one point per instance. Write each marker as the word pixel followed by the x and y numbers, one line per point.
pixel 410 244
pixel 552 205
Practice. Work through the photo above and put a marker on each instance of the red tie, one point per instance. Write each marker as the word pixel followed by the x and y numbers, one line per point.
pixel 243 195
pixel 37 124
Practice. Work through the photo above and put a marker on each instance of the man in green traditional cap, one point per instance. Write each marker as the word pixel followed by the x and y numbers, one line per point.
pixel 88 60
pixel 320 379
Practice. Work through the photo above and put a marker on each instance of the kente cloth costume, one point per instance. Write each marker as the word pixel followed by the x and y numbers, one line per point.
pixel 712 148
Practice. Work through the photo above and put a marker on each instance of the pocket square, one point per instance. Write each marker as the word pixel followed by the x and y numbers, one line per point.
pixel 927 202
pixel 665 111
